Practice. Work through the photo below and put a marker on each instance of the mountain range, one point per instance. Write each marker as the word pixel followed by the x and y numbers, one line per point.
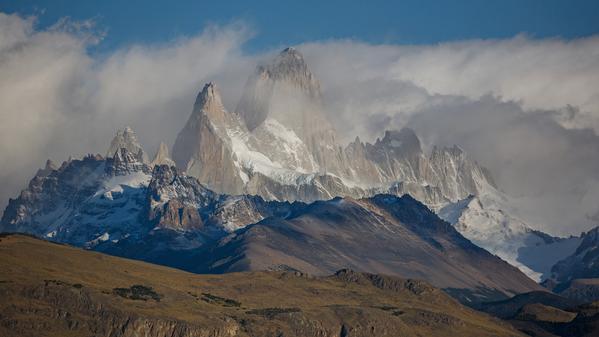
pixel 269 186
pixel 122 206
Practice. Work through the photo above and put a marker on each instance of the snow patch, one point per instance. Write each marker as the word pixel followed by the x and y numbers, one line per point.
pixel 484 221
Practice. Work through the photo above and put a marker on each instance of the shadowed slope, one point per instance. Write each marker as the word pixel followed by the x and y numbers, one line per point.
pixel 383 234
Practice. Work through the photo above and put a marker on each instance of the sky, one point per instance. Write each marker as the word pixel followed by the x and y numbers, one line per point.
pixel 280 23
pixel 515 83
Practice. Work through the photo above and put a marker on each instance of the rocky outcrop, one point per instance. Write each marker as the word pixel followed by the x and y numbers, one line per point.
pixel 49 168
pixel 126 139
pixel 201 148
pixel 80 311
pixel 179 217
pixel 124 163
pixel 162 156
pixel 582 264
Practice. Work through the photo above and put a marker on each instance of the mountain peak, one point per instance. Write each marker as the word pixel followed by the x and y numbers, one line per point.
pixel 125 162
pixel 288 68
pixel 126 139
pixel 286 90
pixel 290 65
pixel 404 140
pixel 50 165
pixel 209 102
pixel 44 172
pixel 209 94
pixel 291 54
pixel 162 156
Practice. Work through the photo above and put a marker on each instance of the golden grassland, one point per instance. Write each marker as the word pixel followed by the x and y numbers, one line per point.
pixel 37 276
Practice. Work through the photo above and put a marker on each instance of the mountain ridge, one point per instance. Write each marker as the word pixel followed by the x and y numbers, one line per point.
pixel 124 207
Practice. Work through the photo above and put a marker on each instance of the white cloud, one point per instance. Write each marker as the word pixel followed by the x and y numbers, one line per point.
pixel 540 74
pixel 520 106
pixel 58 100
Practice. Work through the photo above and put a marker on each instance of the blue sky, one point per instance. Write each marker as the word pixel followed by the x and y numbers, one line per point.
pixel 279 23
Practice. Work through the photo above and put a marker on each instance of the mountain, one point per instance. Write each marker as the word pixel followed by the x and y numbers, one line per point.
pixel 162 156
pixel 123 207
pixel 279 144
pixel 583 263
pixel 99 200
pixel 126 139
pixel 57 290
pixel 382 234
pixel 488 221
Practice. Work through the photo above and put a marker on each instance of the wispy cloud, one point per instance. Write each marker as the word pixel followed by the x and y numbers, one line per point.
pixel 527 109
pixel 58 100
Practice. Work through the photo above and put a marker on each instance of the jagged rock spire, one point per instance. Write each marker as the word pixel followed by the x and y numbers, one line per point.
pixel 284 89
pixel 44 172
pixel 404 142
pixel 209 103
pixel 125 162
pixel 162 157
pixel 127 139
pixel 290 66
pixel 201 148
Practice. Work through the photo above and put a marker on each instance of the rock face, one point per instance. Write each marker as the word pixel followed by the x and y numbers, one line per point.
pixel 201 147
pixel 279 144
pixel 126 139
pixel 162 156
pixel 97 202
pixel 582 264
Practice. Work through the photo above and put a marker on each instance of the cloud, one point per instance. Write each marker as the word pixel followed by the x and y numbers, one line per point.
pixel 57 100
pixel 526 108
pixel 551 171
pixel 549 74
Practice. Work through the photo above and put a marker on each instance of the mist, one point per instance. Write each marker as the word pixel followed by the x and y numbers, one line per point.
pixel 526 108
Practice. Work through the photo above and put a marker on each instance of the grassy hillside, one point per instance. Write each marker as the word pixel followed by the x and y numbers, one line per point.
pixel 56 290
